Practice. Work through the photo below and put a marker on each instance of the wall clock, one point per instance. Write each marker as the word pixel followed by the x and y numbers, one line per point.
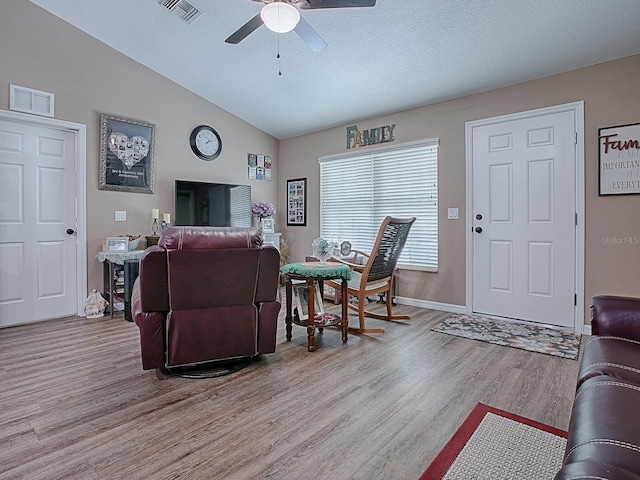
pixel 205 142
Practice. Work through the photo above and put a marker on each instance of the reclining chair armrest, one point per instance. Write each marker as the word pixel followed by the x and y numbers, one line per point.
pixel 268 281
pixel 151 327
pixel 267 298
pixel 617 316
pixel 154 290
pixel 268 325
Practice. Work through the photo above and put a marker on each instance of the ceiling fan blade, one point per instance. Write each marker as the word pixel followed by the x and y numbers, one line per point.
pixel 309 35
pixel 338 3
pixel 245 30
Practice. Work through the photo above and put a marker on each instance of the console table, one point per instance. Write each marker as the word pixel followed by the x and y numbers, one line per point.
pixel 311 273
pixel 113 276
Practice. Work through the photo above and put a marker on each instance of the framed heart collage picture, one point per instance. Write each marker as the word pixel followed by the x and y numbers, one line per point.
pixel 126 154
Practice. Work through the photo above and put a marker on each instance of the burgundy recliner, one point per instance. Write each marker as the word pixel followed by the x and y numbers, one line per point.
pixel 206 294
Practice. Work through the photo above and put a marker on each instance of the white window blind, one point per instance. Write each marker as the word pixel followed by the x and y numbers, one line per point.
pixel 240 206
pixel 358 190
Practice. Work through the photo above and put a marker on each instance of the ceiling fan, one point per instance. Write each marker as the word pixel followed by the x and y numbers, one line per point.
pixel 282 16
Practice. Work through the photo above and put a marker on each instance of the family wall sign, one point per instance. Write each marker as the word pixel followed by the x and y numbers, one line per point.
pixel 619 159
pixel 372 136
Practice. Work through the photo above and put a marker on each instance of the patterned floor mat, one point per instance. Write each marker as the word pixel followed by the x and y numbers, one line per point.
pixel 534 338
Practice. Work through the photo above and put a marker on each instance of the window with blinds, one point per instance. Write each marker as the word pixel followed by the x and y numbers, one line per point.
pixel 358 190
pixel 240 206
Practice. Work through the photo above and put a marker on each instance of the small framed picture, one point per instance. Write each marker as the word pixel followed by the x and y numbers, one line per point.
pixel 300 295
pixel 117 244
pixel 267 225
pixel 297 202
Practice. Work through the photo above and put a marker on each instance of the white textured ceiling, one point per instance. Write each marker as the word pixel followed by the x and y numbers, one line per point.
pixel 397 55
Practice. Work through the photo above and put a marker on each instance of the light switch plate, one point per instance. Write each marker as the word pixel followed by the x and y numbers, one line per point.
pixel 121 216
pixel 452 214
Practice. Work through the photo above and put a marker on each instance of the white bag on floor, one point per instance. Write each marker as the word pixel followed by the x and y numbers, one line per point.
pixel 94 305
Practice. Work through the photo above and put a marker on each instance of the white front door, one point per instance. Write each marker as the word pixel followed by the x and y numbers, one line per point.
pixel 38 256
pixel 524 218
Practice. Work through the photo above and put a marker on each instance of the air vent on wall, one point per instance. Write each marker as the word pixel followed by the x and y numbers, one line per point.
pixel 23 99
pixel 182 9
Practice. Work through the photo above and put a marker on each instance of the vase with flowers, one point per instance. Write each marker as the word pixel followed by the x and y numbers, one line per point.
pixel 262 210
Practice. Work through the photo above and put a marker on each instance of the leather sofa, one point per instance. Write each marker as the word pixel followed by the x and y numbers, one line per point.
pixel 206 294
pixel 604 431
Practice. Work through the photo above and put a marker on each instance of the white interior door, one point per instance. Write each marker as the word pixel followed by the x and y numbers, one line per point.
pixel 524 218
pixel 38 251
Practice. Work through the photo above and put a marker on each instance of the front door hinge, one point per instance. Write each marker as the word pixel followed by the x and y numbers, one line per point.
pixel 575 299
pixel 575 138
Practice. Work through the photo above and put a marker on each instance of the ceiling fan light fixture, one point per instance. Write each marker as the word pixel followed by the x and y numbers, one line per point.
pixel 280 17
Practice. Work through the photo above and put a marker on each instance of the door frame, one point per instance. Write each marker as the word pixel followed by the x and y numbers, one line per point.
pixel 578 112
pixel 80 133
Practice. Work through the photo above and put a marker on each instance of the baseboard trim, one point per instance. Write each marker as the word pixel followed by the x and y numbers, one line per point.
pixel 451 308
pixel 444 307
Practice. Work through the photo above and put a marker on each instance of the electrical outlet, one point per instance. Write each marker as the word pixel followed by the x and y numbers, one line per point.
pixel 121 216
pixel 452 214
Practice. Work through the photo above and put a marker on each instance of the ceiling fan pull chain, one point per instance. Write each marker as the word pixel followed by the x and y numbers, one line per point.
pixel 278 57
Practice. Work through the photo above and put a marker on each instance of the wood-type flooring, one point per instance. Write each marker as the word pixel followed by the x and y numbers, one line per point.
pixel 76 404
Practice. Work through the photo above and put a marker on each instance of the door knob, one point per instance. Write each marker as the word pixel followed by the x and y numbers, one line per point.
pixel 70 231
pixel 478 229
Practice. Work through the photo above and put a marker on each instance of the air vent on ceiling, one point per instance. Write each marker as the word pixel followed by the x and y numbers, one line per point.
pixel 23 99
pixel 182 9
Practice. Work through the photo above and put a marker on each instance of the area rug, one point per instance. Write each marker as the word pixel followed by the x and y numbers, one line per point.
pixel 534 338
pixel 493 444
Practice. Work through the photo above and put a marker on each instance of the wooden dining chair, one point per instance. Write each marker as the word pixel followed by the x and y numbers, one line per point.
pixel 375 275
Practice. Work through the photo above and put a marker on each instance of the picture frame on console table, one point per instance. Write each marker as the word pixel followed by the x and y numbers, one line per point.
pixel 297 202
pixel 619 160
pixel 127 148
pixel 117 244
pixel 300 296
pixel 267 226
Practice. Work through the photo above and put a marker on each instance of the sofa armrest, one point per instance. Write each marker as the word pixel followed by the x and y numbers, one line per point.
pixel 593 469
pixel 618 316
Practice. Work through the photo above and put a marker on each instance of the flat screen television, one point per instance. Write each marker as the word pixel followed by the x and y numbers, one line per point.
pixel 212 204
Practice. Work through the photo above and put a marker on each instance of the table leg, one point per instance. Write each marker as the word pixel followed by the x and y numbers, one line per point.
pixel 345 319
pixel 288 319
pixel 112 306
pixel 311 326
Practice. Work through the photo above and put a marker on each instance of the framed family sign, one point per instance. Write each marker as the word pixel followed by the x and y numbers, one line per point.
pixel 126 154
pixel 297 202
pixel 619 156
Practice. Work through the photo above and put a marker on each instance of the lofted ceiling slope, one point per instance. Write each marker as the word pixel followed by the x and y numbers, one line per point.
pixel 397 55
